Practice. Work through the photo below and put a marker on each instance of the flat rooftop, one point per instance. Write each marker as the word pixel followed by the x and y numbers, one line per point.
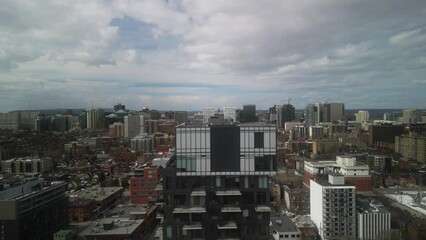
pixel 283 223
pixel 121 226
pixel 97 193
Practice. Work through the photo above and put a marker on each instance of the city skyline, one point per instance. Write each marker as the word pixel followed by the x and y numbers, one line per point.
pixel 184 55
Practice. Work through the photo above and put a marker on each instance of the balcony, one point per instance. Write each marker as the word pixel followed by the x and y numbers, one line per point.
pixel 180 210
pixel 227 225
pixel 262 208
pixel 198 193
pixel 230 209
pixel 233 192
pixel 192 226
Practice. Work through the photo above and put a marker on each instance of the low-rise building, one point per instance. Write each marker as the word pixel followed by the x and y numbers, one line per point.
pixel 282 228
pixel 296 200
pixel 373 221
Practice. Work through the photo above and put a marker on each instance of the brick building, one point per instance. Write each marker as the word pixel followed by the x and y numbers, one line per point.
pixel 143 185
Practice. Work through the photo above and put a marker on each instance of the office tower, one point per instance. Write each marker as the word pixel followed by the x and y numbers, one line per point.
pixel 412 115
pixel 362 116
pixel 288 113
pixel 373 222
pixel 333 209
pixel 384 134
pixel 143 184
pixel 217 185
pixel 229 114
pixel 208 112
pixel 249 112
pixel 181 117
pixel 154 115
pixel 131 126
pixel 118 107
pixel 33 210
pixel 330 111
pixel 388 116
pixel 310 115
pixel 95 118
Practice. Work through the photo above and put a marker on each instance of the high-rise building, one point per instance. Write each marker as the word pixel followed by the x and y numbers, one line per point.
pixel 249 113
pixel 411 145
pixel 384 134
pixel 33 210
pixel 229 114
pixel 95 118
pixel 288 113
pixel 330 111
pixel 216 188
pixel 333 209
pixel 310 115
pixel 208 112
pixel 412 115
pixel 181 117
pixel 362 116
pixel 131 125
pixel 118 107
pixel 116 130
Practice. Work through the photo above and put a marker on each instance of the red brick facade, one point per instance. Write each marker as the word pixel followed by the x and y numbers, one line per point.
pixel 143 184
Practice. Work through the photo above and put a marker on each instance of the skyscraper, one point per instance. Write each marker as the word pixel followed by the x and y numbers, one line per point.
pixel 95 117
pixel 288 113
pixel 215 188
pixel 131 125
pixel 249 112
pixel 310 115
pixel 362 116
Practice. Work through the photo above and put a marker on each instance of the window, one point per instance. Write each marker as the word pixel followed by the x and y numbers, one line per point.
pixel 258 140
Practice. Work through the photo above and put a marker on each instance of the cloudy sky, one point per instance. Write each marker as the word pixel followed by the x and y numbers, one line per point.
pixel 187 54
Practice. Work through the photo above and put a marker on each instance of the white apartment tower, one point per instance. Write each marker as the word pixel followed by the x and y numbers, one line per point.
pixel 333 208
pixel 362 116
pixel 229 113
pixel 208 112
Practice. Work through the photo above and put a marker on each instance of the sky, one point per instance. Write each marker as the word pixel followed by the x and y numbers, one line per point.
pixel 183 55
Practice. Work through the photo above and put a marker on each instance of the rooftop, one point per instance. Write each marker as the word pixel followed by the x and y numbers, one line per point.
pixel 97 193
pixel 112 226
pixel 283 223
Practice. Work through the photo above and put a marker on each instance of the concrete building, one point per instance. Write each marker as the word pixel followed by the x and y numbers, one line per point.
pixel 34 209
pixel 95 118
pixel 412 115
pixel 330 111
pixel 288 113
pixel 384 134
pixel 208 112
pixel 230 114
pixel 28 165
pixel 316 132
pixel 218 185
pixel 310 115
pixel 411 145
pixel 105 197
pixel 181 117
pixel 328 147
pixel 296 200
pixel 283 228
pixel 116 130
pixel 143 142
pixel 333 211
pixel 249 113
pixel 81 210
pixel 354 173
pixel 373 222
pixel 131 125
pixel 362 116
